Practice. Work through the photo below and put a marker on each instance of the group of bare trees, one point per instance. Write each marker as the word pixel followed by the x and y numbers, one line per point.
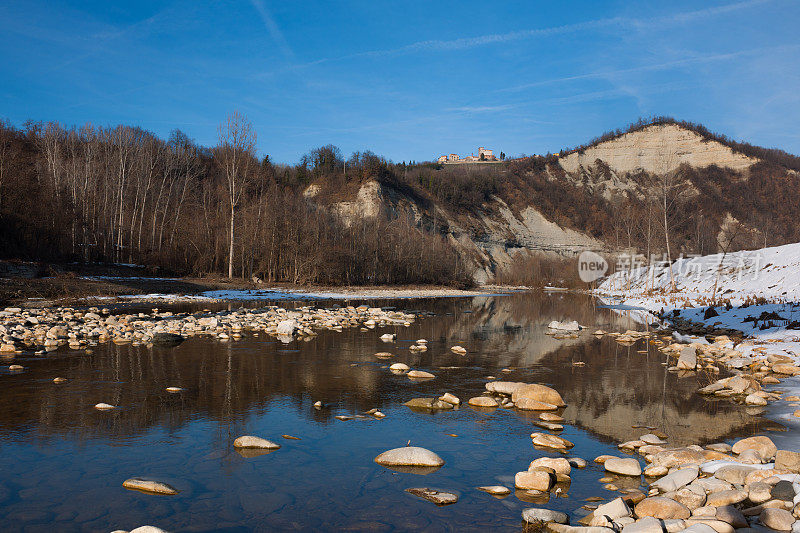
pixel 121 194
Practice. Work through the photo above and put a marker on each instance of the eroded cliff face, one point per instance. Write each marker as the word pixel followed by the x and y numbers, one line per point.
pixel 657 149
pixel 495 234
pixel 489 238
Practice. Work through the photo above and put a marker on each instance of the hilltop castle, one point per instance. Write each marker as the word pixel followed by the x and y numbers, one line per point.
pixel 484 156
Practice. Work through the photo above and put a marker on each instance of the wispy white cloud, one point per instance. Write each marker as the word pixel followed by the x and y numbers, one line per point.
pixel 613 22
pixel 708 58
pixel 274 30
pixel 481 109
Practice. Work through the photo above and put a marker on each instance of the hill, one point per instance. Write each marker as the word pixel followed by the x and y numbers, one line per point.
pixel 121 194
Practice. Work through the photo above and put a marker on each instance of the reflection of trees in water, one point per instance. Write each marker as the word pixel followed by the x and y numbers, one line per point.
pixel 228 381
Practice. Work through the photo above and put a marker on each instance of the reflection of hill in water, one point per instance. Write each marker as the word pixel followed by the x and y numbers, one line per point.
pixel 225 382
pixel 619 388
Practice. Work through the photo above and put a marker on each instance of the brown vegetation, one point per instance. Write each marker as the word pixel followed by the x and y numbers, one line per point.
pixel 120 194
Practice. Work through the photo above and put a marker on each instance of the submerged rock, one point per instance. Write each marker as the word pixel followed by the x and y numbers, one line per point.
pixel 495 490
pixel 434 496
pixel 152 487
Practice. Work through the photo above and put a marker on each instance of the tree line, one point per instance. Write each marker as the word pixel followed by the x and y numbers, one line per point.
pixel 121 194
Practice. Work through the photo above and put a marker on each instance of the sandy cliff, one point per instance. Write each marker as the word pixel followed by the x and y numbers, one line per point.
pixel 657 149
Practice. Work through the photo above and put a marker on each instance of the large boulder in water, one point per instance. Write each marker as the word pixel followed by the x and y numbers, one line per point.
pixel 504 387
pixel 539 393
pixel 409 456
pixel 249 441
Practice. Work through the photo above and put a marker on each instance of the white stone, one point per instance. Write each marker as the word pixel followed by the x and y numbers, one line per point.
pixel 286 327
pixel 564 326
pixel 676 480
pixel 249 441
pixel 409 456
pixel 624 466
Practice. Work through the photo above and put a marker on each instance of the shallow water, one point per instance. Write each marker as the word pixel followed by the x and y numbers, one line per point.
pixel 64 462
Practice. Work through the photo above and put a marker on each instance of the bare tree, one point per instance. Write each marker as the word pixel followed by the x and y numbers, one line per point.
pixel 669 190
pixel 236 151
pixel 731 231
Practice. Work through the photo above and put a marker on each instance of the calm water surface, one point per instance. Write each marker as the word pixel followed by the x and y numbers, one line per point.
pixel 64 462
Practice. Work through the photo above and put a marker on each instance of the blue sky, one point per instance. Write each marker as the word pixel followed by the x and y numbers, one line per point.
pixel 409 80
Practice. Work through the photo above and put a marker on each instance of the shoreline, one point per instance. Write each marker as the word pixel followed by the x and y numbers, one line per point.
pixel 105 289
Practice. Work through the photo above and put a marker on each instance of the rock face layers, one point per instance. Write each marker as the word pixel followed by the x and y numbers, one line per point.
pixel 657 149
pixel 497 226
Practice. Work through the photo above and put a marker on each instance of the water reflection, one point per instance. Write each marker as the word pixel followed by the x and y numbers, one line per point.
pixel 326 480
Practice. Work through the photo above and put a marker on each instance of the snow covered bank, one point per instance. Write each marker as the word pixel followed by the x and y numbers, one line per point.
pixel 769 273
pixel 757 293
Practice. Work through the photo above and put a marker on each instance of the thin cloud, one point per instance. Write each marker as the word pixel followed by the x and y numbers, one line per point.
pixel 645 68
pixel 481 109
pixel 273 29
pixel 483 40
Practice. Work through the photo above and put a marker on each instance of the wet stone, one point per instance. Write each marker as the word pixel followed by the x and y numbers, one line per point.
pixel 533 515
pixel 434 496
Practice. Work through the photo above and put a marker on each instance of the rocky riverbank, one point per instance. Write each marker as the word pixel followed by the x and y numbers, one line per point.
pixel 47 329
pixel 720 488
